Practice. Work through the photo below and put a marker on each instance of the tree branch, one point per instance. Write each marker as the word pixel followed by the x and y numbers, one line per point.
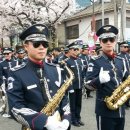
pixel 61 13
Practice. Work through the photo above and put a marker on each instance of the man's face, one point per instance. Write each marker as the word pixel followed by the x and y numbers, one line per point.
pixel 55 53
pixel 74 52
pixel 21 55
pixel 36 53
pixel 7 56
pixel 86 51
pixel 93 53
pixel 124 48
pixel 108 44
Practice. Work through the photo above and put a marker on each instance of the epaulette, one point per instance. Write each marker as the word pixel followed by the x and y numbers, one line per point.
pixel 52 64
pixel 15 59
pixel 95 57
pixel 18 67
pixel 1 61
pixel 66 59
pixel 119 57
pixel 118 54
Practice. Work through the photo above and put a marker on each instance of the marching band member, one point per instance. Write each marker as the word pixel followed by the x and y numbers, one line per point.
pixel 105 73
pixel 33 84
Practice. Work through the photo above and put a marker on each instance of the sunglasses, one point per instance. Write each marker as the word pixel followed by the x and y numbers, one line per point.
pixel 6 54
pixel 76 49
pixel 21 53
pixel 111 39
pixel 36 44
pixel 125 46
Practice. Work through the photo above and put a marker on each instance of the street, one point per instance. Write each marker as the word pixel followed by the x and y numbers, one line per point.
pixel 88 117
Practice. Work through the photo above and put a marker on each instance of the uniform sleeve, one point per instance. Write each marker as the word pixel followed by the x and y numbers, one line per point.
pixel 65 108
pixel 92 75
pixel 1 74
pixel 65 75
pixel 64 105
pixel 17 105
pixel 126 72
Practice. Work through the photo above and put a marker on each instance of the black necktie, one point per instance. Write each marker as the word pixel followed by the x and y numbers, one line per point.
pixel 40 76
pixel 20 61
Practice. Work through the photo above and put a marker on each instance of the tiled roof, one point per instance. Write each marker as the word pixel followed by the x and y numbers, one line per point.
pixel 97 9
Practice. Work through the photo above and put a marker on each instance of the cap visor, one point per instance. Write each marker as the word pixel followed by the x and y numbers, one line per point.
pixel 107 35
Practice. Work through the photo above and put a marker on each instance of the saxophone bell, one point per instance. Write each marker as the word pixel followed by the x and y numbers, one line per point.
pixel 119 96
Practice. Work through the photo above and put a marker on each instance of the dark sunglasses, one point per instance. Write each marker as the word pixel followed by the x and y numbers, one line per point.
pixel 76 49
pixel 111 39
pixel 6 54
pixel 125 46
pixel 21 53
pixel 36 44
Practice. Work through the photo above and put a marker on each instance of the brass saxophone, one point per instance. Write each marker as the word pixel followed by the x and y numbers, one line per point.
pixel 119 96
pixel 51 106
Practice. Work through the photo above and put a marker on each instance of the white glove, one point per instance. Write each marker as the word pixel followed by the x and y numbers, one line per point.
pixel 64 124
pixel 104 76
pixel 52 123
pixel 71 91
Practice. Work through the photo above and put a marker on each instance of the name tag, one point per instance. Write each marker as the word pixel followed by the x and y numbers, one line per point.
pixel 31 86
pixel 90 69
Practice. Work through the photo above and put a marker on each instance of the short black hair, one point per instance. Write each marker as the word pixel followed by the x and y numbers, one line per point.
pixel 56 49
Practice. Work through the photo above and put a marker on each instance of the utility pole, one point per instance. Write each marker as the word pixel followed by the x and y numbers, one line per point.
pixel 116 19
pixel 120 18
pixel 123 20
pixel 115 13
pixel 102 12
pixel 93 17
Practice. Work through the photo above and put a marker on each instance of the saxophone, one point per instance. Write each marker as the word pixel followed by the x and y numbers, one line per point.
pixel 119 96
pixel 51 106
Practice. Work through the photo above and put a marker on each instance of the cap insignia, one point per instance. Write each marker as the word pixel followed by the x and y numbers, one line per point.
pixel 107 28
pixel 40 28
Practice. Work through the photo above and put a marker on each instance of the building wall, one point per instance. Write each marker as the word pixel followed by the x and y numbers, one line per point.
pixel 84 27
pixel 61 33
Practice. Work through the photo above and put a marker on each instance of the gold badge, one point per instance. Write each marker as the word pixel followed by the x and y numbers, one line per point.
pixel 40 28
pixel 106 28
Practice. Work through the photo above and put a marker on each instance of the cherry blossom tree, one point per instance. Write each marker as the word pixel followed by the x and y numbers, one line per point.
pixel 17 15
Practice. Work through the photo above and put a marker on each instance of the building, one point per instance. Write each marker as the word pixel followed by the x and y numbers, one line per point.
pixel 80 25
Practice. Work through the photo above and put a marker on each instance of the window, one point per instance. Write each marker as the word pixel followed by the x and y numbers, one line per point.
pixel 127 22
pixel 98 23
pixel 72 31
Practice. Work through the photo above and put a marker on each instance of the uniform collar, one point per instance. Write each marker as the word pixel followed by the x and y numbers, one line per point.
pixel 110 57
pixel 8 60
pixel 124 52
pixel 36 64
pixel 74 57
pixel 83 54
